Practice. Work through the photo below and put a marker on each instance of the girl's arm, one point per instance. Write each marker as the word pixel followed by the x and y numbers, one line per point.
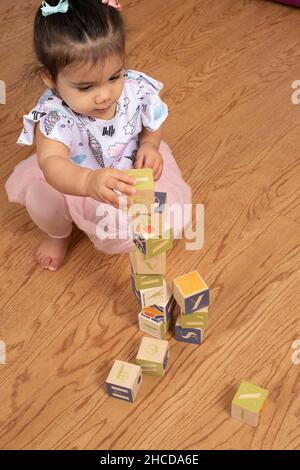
pixel 154 138
pixel 59 172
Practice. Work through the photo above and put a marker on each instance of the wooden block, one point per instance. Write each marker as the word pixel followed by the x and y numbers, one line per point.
pixel 153 356
pixel 194 320
pixel 154 296
pixel 191 292
pixel 188 335
pixel 134 290
pixel 142 265
pixel 166 308
pixel 151 243
pixel 147 281
pixel 124 381
pixel 155 315
pixel 153 324
pixel 249 403
pixel 144 186
pixel 160 200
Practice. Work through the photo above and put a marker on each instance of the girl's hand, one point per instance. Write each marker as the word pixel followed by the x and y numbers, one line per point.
pixel 149 157
pixel 102 184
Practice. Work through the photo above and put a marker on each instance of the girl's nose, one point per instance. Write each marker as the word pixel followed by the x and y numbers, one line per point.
pixel 102 98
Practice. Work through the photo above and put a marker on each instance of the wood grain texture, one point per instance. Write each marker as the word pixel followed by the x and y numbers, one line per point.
pixel 227 68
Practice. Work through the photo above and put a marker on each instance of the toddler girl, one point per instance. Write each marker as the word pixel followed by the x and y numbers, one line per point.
pixel 95 118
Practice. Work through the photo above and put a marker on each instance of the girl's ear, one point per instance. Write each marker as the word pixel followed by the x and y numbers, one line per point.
pixel 46 77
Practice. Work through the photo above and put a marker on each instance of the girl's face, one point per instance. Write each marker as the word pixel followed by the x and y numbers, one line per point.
pixel 92 90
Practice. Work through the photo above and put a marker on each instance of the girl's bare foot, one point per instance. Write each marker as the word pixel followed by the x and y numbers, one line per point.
pixel 51 252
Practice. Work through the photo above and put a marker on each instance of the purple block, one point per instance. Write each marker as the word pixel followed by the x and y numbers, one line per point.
pixel 196 302
pixel 121 393
pixel 188 335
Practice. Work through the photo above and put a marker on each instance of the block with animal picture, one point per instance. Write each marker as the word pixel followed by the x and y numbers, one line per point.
pixel 249 403
pixel 191 292
pixel 194 320
pixel 154 295
pixel 153 356
pixel 152 322
pixel 124 381
pixel 188 335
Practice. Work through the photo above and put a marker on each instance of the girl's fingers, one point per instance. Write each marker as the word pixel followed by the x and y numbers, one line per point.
pixel 123 188
pixel 139 163
pixel 119 175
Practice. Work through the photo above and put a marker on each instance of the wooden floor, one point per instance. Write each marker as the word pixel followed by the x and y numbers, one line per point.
pixel 227 67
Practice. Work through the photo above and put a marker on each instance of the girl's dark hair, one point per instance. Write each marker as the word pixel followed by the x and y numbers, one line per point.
pixel 89 32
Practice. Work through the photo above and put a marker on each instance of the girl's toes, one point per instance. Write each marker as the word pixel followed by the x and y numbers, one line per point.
pixel 54 264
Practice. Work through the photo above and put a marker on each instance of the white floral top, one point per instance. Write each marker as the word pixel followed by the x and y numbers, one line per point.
pixel 95 143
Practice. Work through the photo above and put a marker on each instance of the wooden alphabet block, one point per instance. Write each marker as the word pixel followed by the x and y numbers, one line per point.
pixel 249 403
pixel 166 308
pixel 153 356
pixel 144 186
pixel 147 281
pixel 194 320
pixel 124 381
pixel 151 243
pixel 188 335
pixel 134 290
pixel 152 324
pixel 191 292
pixel 154 296
pixel 142 265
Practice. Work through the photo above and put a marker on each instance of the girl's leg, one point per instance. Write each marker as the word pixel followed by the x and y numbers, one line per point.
pixel 48 210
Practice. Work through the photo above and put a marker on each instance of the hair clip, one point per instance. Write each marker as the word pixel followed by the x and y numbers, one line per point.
pixel 113 3
pixel 61 7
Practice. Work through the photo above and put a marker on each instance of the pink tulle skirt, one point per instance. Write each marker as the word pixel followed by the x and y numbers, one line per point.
pixel 89 214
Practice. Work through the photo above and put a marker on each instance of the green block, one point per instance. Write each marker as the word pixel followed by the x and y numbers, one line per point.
pixel 157 246
pixel 250 397
pixel 147 281
pixel 194 320
pixel 151 368
pixel 144 178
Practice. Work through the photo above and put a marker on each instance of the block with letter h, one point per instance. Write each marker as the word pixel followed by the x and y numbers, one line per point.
pixel 124 381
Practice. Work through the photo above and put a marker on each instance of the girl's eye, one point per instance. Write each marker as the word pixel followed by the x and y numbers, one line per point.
pixel 115 78
pixel 84 89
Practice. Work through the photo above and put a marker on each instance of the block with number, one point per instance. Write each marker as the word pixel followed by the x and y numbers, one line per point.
pixel 144 187
pixel 194 320
pixel 153 356
pixel 154 296
pixel 152 323
pixel 249 403
pixel 147 281
pixel 191 292
pixel 142 265
pixel 188 335
pixel 124 381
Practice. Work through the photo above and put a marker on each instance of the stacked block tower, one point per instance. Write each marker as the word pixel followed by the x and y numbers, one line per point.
pixel 153 238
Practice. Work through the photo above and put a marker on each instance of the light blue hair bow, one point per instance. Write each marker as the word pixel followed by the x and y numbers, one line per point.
pixel 62 7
